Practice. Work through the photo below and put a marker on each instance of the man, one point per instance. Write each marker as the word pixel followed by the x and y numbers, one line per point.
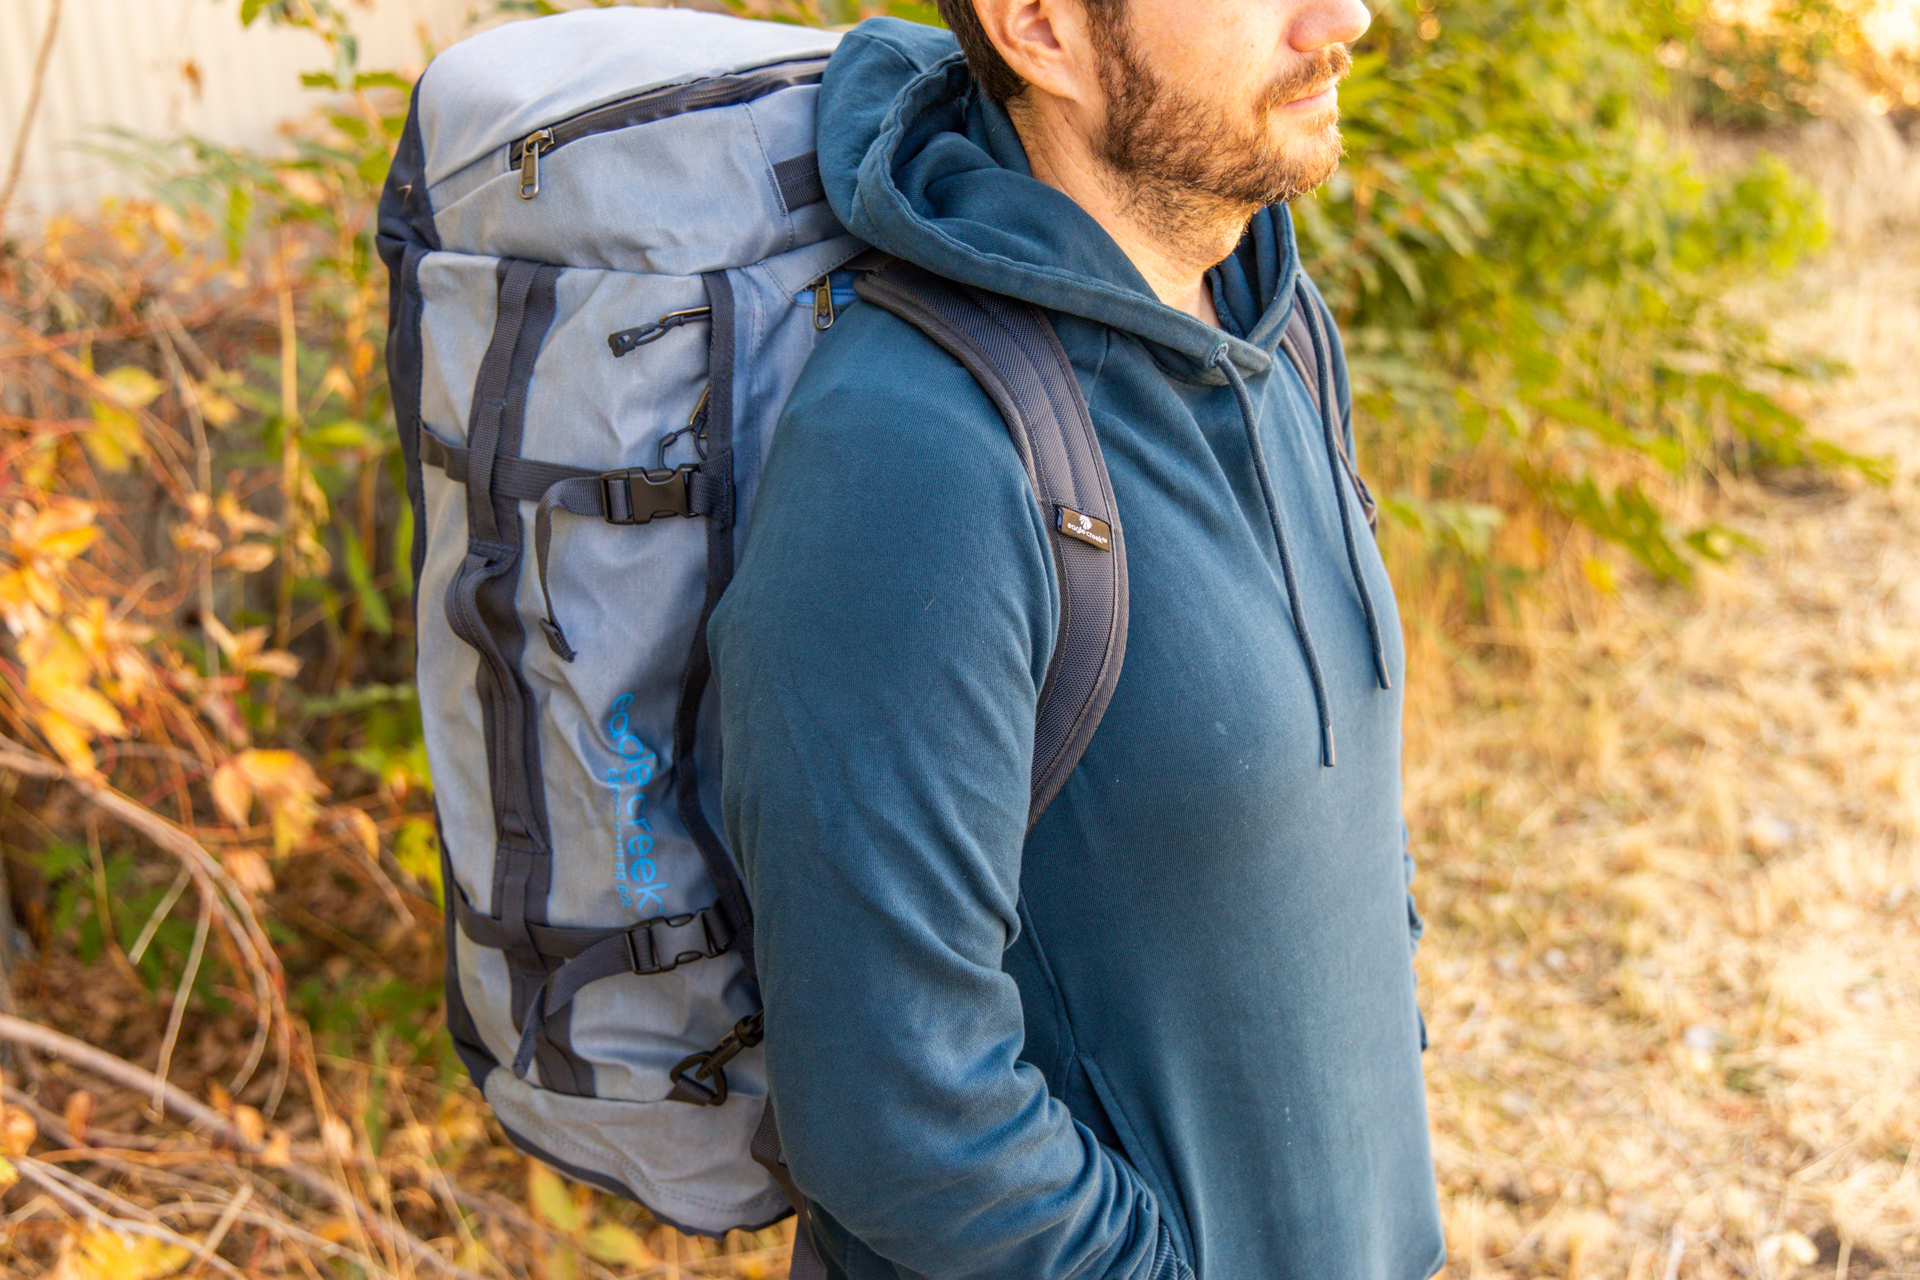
pixel 1171 1032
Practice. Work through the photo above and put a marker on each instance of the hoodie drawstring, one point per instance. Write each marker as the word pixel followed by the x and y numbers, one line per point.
pixel 1322 373
pixel 1314 674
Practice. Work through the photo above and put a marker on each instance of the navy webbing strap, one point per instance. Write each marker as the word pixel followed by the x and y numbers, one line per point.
pixel 1014 354
pixel 1303 334
pixel 659 945
pixel 693 686
pixel 799 181
pixel 634 495
pixel 481 610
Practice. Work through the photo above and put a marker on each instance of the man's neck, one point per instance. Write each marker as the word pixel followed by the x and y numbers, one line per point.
pixel 1172 239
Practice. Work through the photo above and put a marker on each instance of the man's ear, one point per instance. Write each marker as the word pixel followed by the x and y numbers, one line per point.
pixel 1048 43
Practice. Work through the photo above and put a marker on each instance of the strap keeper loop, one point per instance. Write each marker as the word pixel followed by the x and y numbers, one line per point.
pixel 641 966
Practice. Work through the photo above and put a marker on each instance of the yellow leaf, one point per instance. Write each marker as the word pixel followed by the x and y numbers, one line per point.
pixel 217 409
pixel 60 530
pixel 8 1174
pixel 278 775
pixel 24 587
pixel 239 521
pixel 274 662
pixel 17 1131
pixel 251 1124
pixel 292 822
pixel 86 707
pixel 363 827
pixel 1599 576
pixel 69 743
pixel 278 1153
pixel 133 386
pixel 69 544
pixel 417 849
pixel 36 472
pixel 563 1263
pixel 248 557
pixel 101 1255
pixel 192 537
pixel 553 1201
pixel 616 1244
pixel 115 439
pixel 249 870
pixel 231 794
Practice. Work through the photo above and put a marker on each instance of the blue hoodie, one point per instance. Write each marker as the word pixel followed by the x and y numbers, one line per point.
pixel 1171 1031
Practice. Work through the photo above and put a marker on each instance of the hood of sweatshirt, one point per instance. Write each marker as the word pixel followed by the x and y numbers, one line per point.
pixel 917 163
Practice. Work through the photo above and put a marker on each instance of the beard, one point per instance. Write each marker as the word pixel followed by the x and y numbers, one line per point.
pixel 1188 162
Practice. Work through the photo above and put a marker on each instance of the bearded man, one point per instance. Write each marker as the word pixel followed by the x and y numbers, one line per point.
pixel 1171 1031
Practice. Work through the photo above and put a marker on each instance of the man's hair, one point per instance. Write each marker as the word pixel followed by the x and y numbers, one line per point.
pixel 998 80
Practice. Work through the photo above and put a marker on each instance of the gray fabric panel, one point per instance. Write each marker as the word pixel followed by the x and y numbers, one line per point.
pixel 501 84
pixel 457 292
pixel 693 193
pixel 774 335
pixel 713 1184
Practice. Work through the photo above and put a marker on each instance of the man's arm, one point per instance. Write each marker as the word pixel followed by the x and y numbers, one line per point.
pixel 879 657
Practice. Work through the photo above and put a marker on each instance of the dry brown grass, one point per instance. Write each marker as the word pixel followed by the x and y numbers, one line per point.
pixel 1672 855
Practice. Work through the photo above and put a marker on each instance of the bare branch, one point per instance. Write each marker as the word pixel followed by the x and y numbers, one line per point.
pixel 34 88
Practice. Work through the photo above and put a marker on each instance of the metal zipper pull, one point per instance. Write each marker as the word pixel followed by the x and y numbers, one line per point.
pixel 537 141
pixel 823 303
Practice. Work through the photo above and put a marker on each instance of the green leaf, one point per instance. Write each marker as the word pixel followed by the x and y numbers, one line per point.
pixel 373 602
pixel 925 14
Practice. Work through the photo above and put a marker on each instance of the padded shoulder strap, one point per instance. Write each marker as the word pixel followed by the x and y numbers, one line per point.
pixel 1297 341
pixel 1302 334
pixel 1013 352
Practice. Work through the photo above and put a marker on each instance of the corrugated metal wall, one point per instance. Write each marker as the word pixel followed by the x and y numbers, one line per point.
pixel 134 63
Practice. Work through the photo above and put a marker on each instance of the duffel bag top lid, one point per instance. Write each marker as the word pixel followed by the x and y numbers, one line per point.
pixel 521 76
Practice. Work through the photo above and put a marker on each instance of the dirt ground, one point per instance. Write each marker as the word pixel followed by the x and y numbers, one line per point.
pixel 1672 871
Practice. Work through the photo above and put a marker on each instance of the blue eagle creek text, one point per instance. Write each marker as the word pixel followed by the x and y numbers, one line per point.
pixel 634 874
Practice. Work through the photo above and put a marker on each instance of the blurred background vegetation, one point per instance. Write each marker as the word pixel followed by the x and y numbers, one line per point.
pixel 214 802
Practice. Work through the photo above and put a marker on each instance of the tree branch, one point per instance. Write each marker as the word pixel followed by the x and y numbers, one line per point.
pixel 34 87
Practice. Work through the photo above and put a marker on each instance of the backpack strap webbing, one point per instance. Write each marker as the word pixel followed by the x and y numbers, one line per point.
pixel 1304 325
pixel 1013 353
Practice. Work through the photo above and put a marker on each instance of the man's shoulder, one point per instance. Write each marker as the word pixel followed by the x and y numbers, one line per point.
pixel 879 376
pixel 882 414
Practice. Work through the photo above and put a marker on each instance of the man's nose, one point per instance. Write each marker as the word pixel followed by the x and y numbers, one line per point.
pixel 1320 23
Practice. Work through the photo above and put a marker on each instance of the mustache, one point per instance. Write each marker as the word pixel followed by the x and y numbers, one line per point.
pixel 1310 75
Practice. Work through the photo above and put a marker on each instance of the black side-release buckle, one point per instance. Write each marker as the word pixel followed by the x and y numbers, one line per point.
pixel 708 1085
pixel 636 496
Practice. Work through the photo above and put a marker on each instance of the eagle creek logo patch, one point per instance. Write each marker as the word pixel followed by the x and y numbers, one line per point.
pixel 635 876
pixel 1091 530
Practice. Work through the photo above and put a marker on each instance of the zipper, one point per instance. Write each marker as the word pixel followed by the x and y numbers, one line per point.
pixel 655 104
pixel 530 148
pixel 828 296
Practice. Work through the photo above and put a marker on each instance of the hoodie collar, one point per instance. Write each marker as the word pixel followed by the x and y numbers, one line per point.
pixel 917 163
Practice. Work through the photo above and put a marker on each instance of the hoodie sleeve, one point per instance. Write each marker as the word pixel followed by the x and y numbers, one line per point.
pixel 879 656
